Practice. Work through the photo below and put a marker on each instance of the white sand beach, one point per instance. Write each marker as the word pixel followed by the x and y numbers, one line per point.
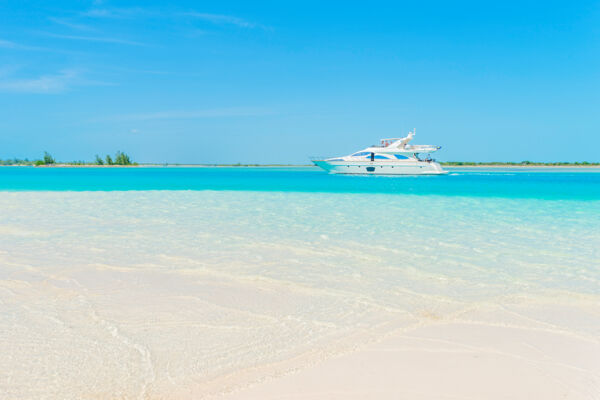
pixel 266 295
pixel 450 361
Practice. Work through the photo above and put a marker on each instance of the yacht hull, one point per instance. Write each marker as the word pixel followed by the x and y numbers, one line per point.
pixel 381 168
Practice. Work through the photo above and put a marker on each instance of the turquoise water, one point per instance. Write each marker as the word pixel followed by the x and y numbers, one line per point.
pixel 228 270
pixel 509 183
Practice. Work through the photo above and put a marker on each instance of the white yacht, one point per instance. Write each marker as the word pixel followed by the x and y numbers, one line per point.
pixel 393 156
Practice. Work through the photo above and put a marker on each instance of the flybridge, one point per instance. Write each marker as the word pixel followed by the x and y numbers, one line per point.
pixel 400 145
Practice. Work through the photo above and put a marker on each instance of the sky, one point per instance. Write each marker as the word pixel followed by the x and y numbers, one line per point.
pixel 279 82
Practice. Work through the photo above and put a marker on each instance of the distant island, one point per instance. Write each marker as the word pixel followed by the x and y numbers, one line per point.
pixel 121 159
pixel 519 164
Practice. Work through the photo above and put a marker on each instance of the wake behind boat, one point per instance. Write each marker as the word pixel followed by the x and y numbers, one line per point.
pixel 393 156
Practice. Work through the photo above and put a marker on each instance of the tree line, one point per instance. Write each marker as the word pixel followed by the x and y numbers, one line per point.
pixel 120 158
pixel 522 163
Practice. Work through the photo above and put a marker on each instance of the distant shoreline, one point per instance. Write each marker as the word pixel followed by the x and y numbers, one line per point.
pixel 452 166
pixel 522 166
pixel 169 165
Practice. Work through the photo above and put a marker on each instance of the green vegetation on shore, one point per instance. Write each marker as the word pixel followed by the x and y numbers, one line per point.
pixel 47 160
pixel 233 165
pixel 520 164
pixel 120 159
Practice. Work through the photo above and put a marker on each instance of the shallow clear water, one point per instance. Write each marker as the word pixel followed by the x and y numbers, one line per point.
pixel 110 292
pixel 540 183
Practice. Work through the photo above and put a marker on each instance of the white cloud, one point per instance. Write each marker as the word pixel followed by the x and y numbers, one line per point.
pixel 70 24
pixel 223 19
pixel 194 114
pixel 7 44
pixel 98 12
pixel 115 12
pixel 218 19
pixel 6 70
pixel 44 84
pixel 58 82
pixel 94 39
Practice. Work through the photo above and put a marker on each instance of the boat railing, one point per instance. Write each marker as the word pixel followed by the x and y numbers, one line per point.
pixel 422 148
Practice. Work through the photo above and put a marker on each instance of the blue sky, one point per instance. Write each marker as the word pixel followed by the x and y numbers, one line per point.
pixel 270 82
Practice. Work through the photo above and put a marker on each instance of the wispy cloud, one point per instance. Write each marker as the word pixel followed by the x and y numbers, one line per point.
pixel 98 12
pixel 58 82
pixel 101 39
pixel 116 12
pixel 196 114
pixel 217 19
pixel 223 19
pixel 10 45
pixel 112 68
pixel 7 44
pixel 44 84
pixel 6 70
pixel 70 24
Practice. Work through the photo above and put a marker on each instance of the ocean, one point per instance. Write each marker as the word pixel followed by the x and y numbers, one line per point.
pixel 143 282
pixel 537 183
